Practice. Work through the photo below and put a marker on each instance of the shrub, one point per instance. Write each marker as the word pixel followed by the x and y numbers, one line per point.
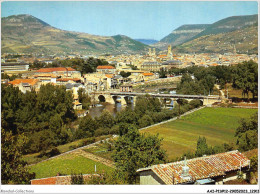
pixel 77 179
pixel 54 152
pixel 114 130
pixel 72 147
pixel 254 163
pixel 101 131
pixel 195 103
pixel 145 121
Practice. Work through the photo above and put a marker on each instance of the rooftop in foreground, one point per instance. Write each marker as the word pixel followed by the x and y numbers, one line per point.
pixel 200 168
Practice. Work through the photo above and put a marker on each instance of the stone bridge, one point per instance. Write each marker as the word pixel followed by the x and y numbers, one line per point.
pixel 130 97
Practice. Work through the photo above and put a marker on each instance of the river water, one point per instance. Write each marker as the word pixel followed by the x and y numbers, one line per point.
pixel 114 108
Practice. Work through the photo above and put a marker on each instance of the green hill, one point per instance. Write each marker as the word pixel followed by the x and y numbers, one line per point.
pixel 183 33
pixel 28 34
pixel 219 37
pixel 245 41
pixel 229 24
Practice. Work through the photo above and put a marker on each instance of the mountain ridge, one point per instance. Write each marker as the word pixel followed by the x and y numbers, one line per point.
pixel 180 38
pixel 26 33
pixel 146 41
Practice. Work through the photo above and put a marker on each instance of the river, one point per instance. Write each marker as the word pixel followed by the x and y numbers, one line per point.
pixel 114 108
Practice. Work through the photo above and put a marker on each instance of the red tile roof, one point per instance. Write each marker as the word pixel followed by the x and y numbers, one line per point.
pixel 147 74
pixel 48 70
pixel 46 75
pixel 105 67
pixel 29 81
pixel 200 168
pixel 68 79
pixel 59 180
pixel 109 75
pixel 162 56
pixel 45 181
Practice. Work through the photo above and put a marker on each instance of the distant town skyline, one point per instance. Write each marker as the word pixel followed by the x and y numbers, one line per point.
pixel 146 19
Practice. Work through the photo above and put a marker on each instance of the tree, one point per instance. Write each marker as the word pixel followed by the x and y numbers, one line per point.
pixel 10 104
pixel 162 73
pixel 56 124
pixel 87 125
pixel 126 116
pixel 247 133
pixel 202 147
pixel 125 74
pixel 134 150
pixel 105 120
pixel 145 121
pixel 84 98
pixel 146 103
pixel 245 77
pixel 13 169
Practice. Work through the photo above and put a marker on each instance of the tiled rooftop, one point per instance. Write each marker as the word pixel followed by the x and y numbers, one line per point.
pixel 147 74
pixel 48 70
pixel 59 180
pixel 105 67
pixel 200 168
pixel 29 81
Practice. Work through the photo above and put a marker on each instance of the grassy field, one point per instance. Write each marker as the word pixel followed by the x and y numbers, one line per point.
pixel 100 150
pixel 232 92
pixel 33 158
pixel 216 124
pixel 67 164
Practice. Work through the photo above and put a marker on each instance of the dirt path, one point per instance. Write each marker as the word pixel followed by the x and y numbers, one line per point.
pixel 221 92
pixel 95 158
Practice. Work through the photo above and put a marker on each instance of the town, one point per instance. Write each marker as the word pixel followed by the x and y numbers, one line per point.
pixel 85 109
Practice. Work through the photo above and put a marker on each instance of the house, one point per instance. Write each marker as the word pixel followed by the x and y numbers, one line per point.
pixel 106 69
pixel 214 169
pixel 102 81
pixel 167 65
pixel 25 84
pixel 77 105
pixel 148 76
pixel 63 81
pixel 14 66
pixel 151 66
pixel 126 88
pixel 62 71
pixel 46 78
pixel 110 81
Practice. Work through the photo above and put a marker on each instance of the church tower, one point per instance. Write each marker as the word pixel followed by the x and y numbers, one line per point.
pixel 169 54
pixel 154 52
pixel 149 52
pixel 235 50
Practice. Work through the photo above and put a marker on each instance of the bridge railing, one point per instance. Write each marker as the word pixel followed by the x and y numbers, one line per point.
pixel 165 95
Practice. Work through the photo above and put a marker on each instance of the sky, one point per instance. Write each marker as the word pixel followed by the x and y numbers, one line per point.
pixel 143 19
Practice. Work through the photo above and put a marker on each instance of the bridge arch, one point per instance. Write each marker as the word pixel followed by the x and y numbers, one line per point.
pixel 101 98
pixel 115 98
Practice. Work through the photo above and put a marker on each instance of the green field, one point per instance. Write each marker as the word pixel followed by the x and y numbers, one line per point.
pixel 100 150
pixel 218 125
pixel 34 158
pixel 67 164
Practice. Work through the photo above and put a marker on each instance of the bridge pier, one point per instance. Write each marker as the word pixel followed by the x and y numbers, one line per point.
pixel 123 100
pixel 134 99
pixel 174 102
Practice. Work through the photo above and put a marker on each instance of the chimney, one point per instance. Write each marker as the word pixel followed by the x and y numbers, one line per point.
pixel 185 170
